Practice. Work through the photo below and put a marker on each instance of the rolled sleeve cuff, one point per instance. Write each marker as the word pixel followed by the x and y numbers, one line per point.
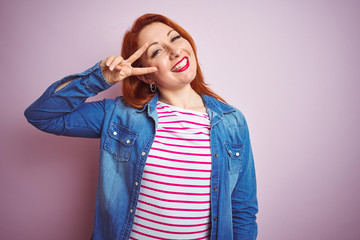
pixel 94 79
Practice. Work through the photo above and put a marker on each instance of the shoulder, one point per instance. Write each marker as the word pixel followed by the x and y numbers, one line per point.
pixel 237 116
pixel 118 101
pixel 229 112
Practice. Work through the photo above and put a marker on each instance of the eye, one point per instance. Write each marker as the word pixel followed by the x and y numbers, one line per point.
pixel 175 38
pixel 156 52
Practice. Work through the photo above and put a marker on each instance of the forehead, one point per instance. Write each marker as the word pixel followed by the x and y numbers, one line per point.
pixel 153 32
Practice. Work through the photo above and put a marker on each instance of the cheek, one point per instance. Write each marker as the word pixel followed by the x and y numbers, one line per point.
pixel 161 64
pixel 194 64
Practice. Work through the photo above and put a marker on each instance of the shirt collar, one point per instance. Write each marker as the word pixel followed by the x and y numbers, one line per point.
pixel 217 106
pixel 150 106
pixel 211 103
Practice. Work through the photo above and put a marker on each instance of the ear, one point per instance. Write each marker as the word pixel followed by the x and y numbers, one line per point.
pixel 145 78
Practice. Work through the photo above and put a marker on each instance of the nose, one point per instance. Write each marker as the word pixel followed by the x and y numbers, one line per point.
pixel 174 52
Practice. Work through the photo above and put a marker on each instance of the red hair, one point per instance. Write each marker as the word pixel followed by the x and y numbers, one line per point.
pixel 136 92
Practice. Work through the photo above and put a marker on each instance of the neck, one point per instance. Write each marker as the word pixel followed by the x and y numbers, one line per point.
pixel 185 98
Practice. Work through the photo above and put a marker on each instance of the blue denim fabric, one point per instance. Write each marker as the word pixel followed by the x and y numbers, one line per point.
pixel 126 137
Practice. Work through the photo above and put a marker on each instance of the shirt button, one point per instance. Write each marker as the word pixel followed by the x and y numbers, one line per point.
pixel 237 154
pixel 136 183
pixel 114 133
pixel 131 210
pixel 128 141
pixel 230 151
pixel 150 108
pixel 216 155
pixel 215 218
pixel 215 188
pixel 143 153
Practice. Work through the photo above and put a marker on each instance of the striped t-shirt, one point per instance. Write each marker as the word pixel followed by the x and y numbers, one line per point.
pixel 174 200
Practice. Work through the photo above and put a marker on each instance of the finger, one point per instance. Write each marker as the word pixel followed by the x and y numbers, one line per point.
pixel 138 53
pixel 142 71
pixel 109 60
pixel 116 62
pixel 118 68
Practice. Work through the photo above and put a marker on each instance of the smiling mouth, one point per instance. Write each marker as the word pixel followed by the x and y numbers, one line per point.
pixel 182 65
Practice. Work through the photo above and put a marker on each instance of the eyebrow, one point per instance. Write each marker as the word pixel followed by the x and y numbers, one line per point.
pixel 158 42
pixel 170 32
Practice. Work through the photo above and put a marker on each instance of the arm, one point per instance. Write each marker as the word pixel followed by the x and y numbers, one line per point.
pixel 64 112
pixel 62 109
pixel 244 200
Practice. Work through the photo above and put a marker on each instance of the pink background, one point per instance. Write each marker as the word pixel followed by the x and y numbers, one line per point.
pixel 292 67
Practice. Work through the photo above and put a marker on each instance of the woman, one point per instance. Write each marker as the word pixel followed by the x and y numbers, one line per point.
pixel 175 160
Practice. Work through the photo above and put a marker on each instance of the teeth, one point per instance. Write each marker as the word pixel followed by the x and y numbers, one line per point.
pixel 180 65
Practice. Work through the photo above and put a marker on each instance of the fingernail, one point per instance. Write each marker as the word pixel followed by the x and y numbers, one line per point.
pixel 111 67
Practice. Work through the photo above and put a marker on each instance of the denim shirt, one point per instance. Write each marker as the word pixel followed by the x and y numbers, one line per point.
pixel 127 134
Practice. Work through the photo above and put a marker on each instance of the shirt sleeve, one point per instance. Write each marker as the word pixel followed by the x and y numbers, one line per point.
pixel 244 199
pixel 65 111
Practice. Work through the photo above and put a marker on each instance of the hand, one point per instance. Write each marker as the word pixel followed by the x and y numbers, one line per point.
pixel 116 69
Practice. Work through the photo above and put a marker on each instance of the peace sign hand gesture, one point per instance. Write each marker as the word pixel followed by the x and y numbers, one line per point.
pixel 116 69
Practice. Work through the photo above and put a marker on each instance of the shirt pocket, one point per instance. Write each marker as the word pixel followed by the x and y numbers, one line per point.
pixel 120 142
pixel 235 159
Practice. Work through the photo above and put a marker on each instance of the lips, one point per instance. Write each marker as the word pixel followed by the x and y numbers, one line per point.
pixel 181 65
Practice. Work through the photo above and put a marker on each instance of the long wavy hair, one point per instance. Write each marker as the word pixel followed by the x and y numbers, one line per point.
pixel 136 92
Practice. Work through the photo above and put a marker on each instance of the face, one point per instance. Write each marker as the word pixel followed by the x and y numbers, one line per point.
pixel 170 53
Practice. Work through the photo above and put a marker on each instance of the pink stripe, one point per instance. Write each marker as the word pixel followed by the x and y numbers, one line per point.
pixel 179 193
pixel 162 107
pixel 167 216
pixel 177 160
pixel 195 133
pixel 167 116
pixel 174 184
pixel 171 232
pixel 134 238
pixel 184 139
pixel 165 112
pixel 147 235
pixel 185 146
pixel 199 124
pixel 203 116
pixel 184 128
pixel 175 176
pixel 173 225
pixel 176 209
pixel 170 200
pixel 185 113
pixel 182 153
pixel 174 168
